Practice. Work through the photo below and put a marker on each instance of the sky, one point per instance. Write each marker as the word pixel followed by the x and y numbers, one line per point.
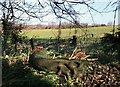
pixel 100 18
pixel 97 18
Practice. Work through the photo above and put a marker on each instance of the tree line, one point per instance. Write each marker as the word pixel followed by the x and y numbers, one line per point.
pixel 63 26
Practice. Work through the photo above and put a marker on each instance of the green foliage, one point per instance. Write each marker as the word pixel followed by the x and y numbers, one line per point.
pixel 10 35
pixel 89 73
pixel 110 46
pixel 23 76
pixel 20 75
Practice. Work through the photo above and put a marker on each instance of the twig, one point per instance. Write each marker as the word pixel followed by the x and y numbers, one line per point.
pixel 73 52
pixel 54 56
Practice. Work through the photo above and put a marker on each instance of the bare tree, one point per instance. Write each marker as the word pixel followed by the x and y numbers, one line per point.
pixel 14 13
pixel 19 11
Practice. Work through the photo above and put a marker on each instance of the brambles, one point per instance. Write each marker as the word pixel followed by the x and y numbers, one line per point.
pixel 74 73
pixel 61 71
pixel 110 45
pixel 79 73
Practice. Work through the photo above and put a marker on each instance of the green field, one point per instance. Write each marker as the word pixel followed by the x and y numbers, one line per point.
pixel 66 33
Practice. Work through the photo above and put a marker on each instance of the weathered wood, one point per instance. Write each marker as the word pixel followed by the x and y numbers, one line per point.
pixel 60 66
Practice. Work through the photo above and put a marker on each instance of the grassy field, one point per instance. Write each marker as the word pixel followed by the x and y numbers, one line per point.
pixel 66 33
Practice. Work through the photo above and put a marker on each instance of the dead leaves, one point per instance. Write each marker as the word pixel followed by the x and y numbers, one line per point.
pixel 37 48
pixel 102 75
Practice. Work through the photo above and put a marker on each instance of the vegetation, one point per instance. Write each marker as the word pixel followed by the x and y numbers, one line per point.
pixel 67 33
pixel 45 71
pixel 79 56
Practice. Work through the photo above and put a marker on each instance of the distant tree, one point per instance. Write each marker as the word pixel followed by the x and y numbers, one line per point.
pixel 103 24
pixel 110 23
